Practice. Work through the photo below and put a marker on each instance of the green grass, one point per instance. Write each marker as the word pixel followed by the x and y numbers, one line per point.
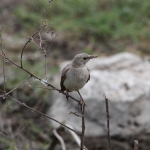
pixel 106 19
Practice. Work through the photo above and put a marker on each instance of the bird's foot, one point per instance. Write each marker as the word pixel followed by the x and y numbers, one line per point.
pixel 67 95
pixel 67 98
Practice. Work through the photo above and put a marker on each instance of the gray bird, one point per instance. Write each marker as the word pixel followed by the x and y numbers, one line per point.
pixel 75 75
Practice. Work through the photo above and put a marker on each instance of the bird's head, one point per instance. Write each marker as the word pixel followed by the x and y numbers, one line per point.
pixel 81 59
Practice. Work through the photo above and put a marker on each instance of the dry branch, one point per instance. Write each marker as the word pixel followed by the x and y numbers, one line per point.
pixel 108 128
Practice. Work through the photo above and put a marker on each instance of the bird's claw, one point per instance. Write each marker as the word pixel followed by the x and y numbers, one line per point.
pixel 67 97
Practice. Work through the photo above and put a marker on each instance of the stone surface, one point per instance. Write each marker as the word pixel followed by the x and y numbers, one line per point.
pixel 125 79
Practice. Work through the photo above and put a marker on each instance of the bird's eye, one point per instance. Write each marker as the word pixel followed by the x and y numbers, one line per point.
pixel 84 58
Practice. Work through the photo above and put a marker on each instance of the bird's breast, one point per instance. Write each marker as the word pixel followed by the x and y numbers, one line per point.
pixel 76 78
pixel 80 73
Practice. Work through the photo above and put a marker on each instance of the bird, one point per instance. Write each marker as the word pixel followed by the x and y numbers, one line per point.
pixel 76 74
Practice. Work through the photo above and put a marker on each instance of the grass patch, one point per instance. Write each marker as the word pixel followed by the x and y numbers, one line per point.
pixel 103 20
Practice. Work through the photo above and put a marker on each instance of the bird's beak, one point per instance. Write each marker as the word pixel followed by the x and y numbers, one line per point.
pixel 91 56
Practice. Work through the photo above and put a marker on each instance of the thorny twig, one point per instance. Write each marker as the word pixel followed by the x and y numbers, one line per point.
pixel 108 129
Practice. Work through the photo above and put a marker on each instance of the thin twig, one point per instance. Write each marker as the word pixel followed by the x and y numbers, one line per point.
pixel 82 104
pixel 3 60
pixel 1 34
pixel 32 75
pixel 83 128
pixel 32 39
pixel 4 74
pixel 108 128
pixel 39 33
pixel 13 89
pixel 23 104
pixel 76 114
pixel 45 66
pixel 29 40
pixel 60 139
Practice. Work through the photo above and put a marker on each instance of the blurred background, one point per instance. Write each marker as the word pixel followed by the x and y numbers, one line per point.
pixel 103 28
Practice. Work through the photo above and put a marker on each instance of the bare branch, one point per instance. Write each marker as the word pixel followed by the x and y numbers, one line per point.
pixel 45 67
pixel 23 104
pixel 108 129
pixel 78 115
pixel 3 60
pixel 83 128
pixel 32 75
pixel 13 89
pixel 29 40
pixel 32 39
pixel 82 105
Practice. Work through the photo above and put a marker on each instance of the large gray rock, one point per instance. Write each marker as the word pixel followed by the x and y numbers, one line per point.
pixel 125 79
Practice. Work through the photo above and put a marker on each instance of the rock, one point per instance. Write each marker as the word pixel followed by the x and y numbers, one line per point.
pixel 125 79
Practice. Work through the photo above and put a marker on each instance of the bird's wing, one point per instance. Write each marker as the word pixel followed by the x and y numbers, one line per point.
pixel 63 77
pixel 89 75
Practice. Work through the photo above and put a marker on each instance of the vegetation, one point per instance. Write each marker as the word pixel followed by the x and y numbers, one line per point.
pixel 102 20
pixel 110 25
